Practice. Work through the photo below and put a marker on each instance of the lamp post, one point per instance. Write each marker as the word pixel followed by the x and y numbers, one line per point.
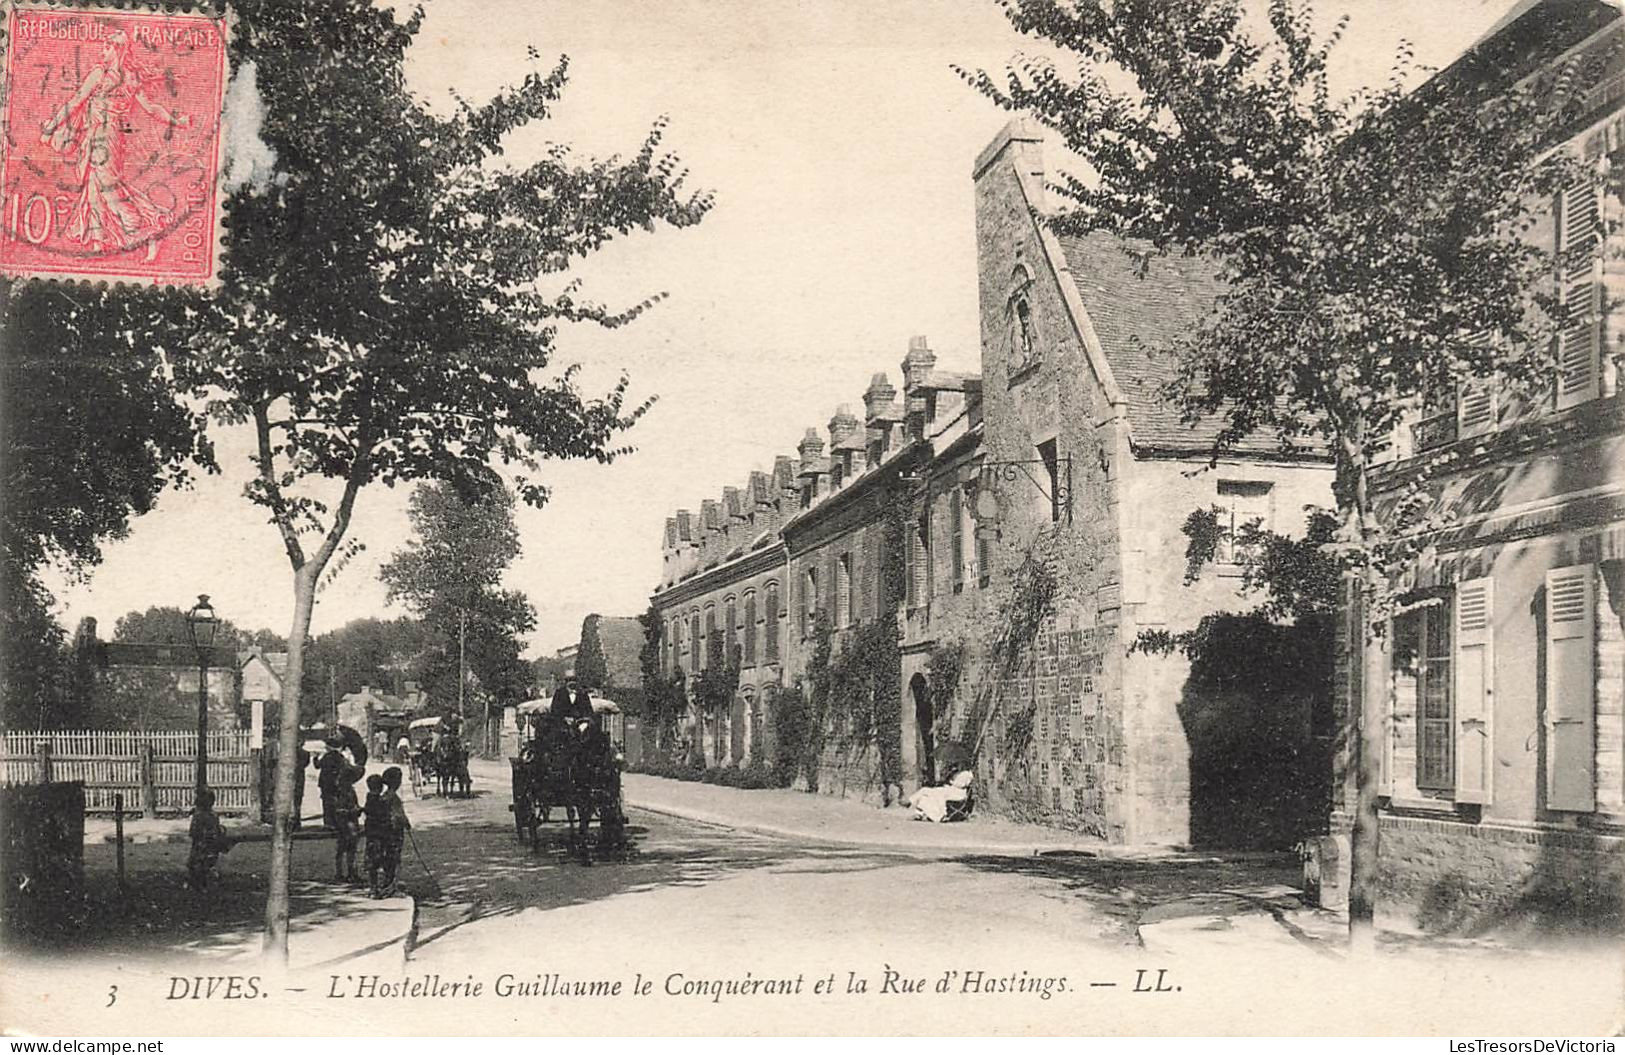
pixel 201 625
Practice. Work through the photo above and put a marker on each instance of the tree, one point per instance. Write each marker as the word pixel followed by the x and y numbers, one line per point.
pixel 1371 248
pixel 166 625
pixel 363 652
pixel 382 315
pixel 449 575
pixel 591 670
pixel 91 431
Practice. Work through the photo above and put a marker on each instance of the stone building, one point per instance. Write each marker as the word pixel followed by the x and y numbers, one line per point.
pixel 380 717
pixel 1053 545
pixel 1020 528
pixel 154 687
pixel 869 502
pixel 722 593
pixel 1502 673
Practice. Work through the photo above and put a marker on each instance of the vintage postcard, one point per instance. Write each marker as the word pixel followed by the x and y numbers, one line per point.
pixel 1028 517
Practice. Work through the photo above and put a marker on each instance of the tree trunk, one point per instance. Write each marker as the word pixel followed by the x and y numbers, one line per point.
pixel 276 902
pixel 1366 745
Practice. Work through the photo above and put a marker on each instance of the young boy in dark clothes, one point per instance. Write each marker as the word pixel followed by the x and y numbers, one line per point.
pixel 399 826
pixel 209 841
pixel 376 828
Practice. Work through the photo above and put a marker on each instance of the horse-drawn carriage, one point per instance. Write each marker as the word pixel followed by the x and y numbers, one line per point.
pixel 573 765
pixel 439 755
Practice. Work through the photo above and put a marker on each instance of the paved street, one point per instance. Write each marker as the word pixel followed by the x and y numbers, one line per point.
pixel 701 926
pixel 701 901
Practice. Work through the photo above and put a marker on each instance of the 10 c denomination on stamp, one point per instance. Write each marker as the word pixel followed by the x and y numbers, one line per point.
pixel 110 164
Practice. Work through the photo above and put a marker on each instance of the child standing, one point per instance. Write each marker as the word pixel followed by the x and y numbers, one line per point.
pixel 376 829
pixel 209 841
pixel 398 829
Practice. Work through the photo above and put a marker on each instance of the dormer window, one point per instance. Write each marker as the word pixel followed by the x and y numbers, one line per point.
pixel 1023 352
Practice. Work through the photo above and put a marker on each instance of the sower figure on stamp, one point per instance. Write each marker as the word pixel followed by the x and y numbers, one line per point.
pixel 111 211
pixel 341 811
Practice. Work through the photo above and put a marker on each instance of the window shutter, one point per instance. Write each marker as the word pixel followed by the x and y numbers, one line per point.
pixel 1571 689
pixel 1475 408
pixel 1354 657
pixel 1475 398
pixel 1578 344
pixel 1475 690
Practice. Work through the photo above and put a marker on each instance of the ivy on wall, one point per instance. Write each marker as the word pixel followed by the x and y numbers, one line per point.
pixel 856 691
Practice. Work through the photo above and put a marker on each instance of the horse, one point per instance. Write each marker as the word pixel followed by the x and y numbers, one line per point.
pixel 451 767
pixel 572 764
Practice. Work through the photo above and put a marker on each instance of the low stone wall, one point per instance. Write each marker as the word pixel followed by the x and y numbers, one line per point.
pixel 1448 876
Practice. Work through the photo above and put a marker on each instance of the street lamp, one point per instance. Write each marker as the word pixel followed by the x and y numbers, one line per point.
pixel 201 625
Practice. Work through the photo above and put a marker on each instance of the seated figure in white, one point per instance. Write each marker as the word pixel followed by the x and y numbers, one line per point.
pixel 950 802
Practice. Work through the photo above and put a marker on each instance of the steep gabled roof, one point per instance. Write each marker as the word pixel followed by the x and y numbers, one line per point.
pixel 1135 314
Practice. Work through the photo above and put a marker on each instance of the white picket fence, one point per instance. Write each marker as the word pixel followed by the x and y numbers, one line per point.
pixel 153 771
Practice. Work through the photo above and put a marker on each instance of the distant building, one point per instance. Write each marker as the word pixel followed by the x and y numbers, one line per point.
pixel 261 675
pixel 155 687
pixel 621 638
pixel 380 717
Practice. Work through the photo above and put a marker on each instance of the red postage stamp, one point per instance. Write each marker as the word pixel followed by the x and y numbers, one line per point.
pixel 111 158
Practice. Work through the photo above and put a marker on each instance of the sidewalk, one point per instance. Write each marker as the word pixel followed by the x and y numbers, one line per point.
pixel 330 926
pixel 828 819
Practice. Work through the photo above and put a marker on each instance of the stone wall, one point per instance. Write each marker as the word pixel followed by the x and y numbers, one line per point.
pixel 1450 877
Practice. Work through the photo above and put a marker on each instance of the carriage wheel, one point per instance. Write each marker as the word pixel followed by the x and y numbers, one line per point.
pixel 523 816
pixel 612 821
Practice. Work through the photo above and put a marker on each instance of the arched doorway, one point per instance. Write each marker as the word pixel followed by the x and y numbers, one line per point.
pixel 925 745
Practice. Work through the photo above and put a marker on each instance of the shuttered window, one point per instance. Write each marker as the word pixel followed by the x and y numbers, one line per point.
pixel 1579 369
pixel 1435 723
pixel 809 601
pixel 843 590
pixel 956 537
pixel 731 617
pixel 911 554
pixel 750 629
pixel 1571 688
pixel 1476 399
pixel 771 645
pixel 694 662
pixel 1475 688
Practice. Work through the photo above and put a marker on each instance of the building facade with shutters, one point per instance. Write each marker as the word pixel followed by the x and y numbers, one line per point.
pixel 1503 666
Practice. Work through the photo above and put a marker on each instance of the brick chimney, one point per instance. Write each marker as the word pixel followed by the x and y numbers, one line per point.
pixel 841 426
pixel 784 477
pixel 760 492
pixel 811 449
pixel 878 398
pixel 733 505
pixel 917 364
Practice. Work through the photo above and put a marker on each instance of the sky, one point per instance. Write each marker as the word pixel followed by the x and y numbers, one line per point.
pixel 838 141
